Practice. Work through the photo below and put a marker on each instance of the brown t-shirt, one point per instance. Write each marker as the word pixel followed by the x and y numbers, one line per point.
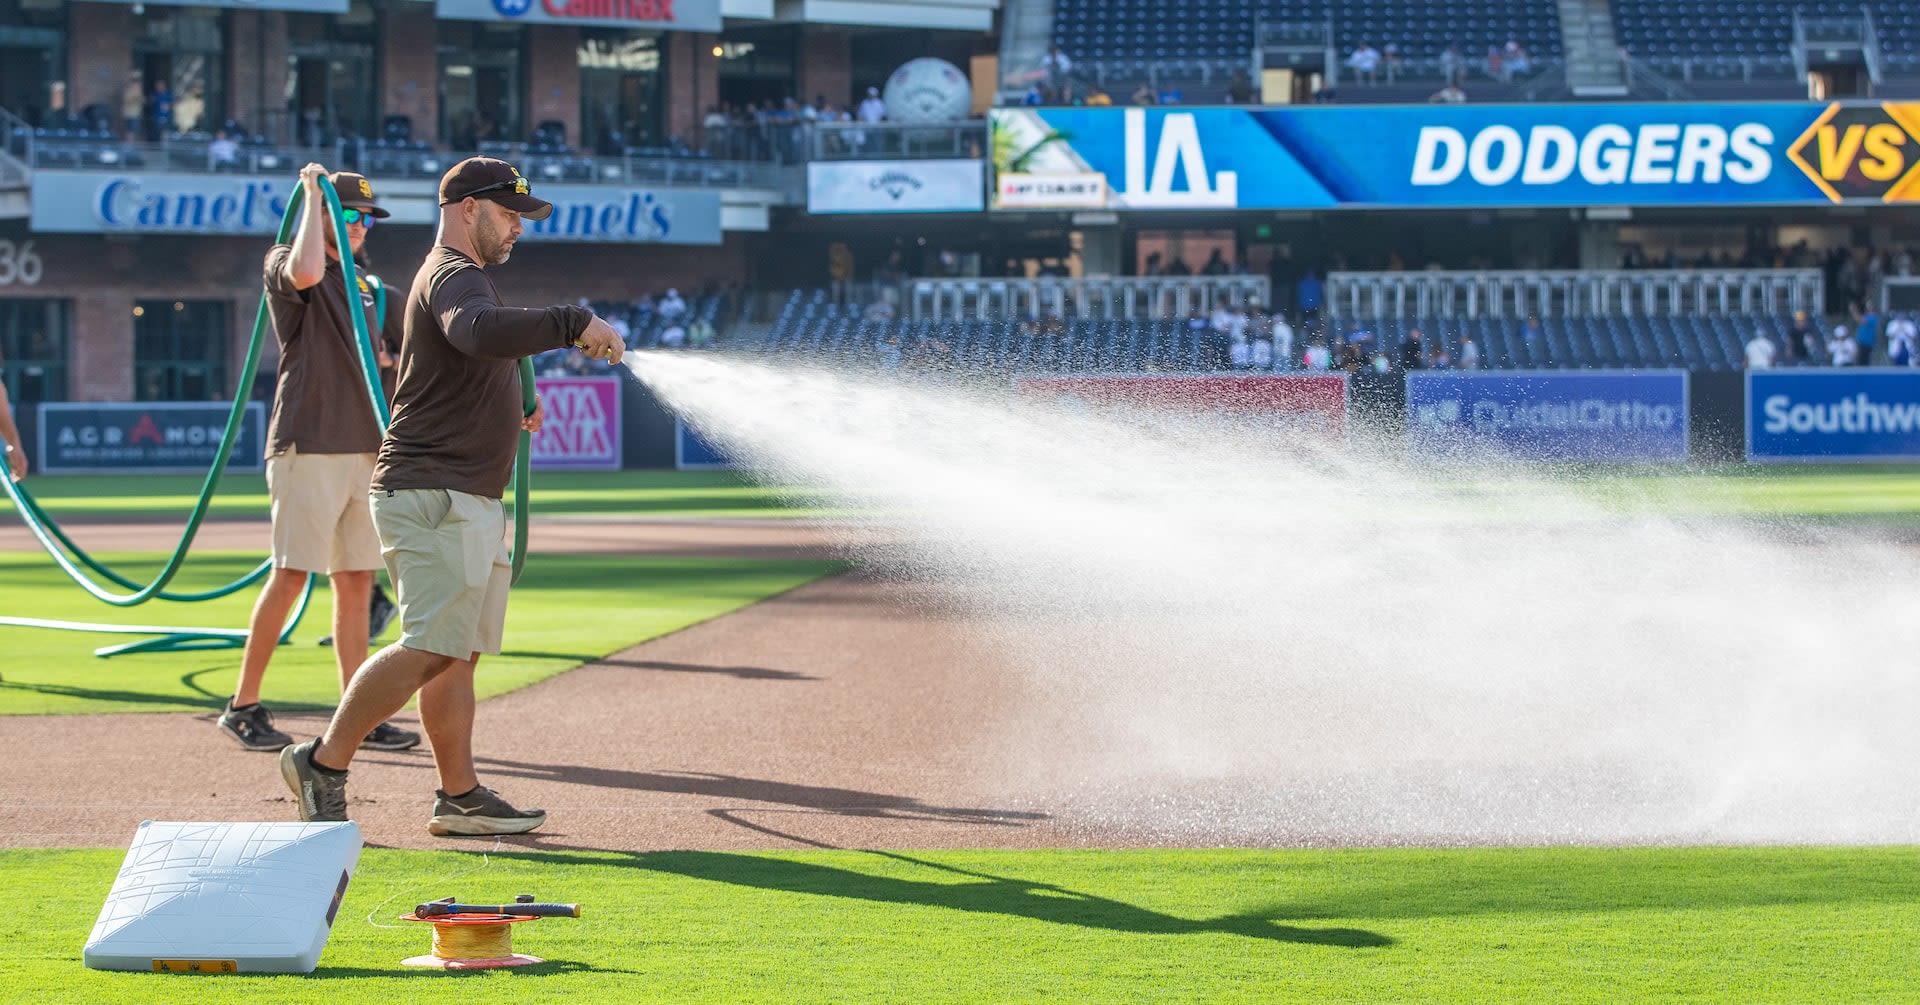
pixel 456 414
pixel 320 404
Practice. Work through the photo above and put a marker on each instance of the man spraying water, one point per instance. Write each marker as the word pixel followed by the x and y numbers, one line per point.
pixel 442 469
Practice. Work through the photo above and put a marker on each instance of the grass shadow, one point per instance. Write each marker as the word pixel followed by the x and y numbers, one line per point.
pixel 974 893
pixel 548 967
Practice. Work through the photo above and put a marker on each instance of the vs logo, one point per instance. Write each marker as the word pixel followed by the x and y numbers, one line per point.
pixel 1863 152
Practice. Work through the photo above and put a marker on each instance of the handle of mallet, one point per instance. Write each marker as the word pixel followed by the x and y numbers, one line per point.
pixel 438 908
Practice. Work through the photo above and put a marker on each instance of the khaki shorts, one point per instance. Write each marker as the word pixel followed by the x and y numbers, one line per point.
pixel 320 517
pixel 447 554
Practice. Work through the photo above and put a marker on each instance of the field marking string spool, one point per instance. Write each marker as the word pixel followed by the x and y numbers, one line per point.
pixel 471 942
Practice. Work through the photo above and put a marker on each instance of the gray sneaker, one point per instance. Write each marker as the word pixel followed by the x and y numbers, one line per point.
pixel 252 725
pixel 320 795
pixel 480 812
pixel 388 736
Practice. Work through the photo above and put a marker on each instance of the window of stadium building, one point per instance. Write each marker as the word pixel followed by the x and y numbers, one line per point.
pixel 33 59
pixel 620 90
pixel 180 350
pixel 33 349
pixel 480 83
pixel 179 73
pixel 330 60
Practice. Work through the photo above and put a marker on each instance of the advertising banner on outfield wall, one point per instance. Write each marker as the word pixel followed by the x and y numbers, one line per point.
pixel 610 214
pixel 1455 156
pixel 1833 416
pixel 140 202
pixel 1314 404
pixel 146 438
pixel 947 186
pixel 691 451
pixel 1627 415
pixel 582 427
pixel 658 15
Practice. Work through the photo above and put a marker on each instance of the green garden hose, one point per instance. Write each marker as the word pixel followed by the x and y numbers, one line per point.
pixel 58 545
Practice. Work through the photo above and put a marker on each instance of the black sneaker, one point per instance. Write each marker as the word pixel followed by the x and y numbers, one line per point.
pixel 380 612
pixel 252 725
pixel 480 812
pixel 388 736
pixel 320 795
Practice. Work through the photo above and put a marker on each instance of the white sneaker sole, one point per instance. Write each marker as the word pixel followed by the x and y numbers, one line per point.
pixel 454 825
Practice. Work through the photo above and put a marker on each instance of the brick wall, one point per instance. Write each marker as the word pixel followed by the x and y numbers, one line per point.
pixel 257 71
pixel 553 77
pixel 826 67
pixel 693 81
pixel 99 54
pixel 410 68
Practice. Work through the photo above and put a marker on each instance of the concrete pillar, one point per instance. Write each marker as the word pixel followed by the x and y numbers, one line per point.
pixel 1100 250
pixel 1599 244
pixel 693 81
pixel 257 72
pixel 99 54
pixel 410 68
pixel 826 67
pixel 102 354
pixel 553 77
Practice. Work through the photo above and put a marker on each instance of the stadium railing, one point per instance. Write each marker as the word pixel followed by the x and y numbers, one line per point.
pixel 1126 297
pixel 897 140
pixel 1518 294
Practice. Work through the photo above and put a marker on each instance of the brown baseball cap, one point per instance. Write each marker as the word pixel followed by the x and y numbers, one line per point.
pixel 356 193
pixel 495 179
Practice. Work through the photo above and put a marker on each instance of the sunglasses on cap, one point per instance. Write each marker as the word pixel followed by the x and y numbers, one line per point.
pixel 517 184
pixel 355 216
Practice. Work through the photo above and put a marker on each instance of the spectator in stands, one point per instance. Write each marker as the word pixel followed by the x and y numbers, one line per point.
pixel 223 154
pixel 1866 331
pixel 1309 292
pixel 1453 65
pixel 1760 351
pixel 873 109
pixel 673 336
pixel 1469 353
pixel 1496 65
pixel 1901 340
pixel 1035 96
pixel 1439 359
pixel 1239 353
pixel 1413 354
pixel 1358 335
pixel 1240 89
pixel 1153 266
pixel 160 110
pixel 1390 58
pixel 1260 350
pixel 1179 267
pixel 1318 356
pixel 1216 265
pixel 620 327
pixel 673 307
pixel 1058 68
pixel 1517 61
pixel 1800 337
pixel 1098 98
pixel 1221 321
pixel 1842 350
pixel 700 333
pixel 1364 62
pixel 1144 95
pixel 1532 334
pixel 1448 95
pixel 1282 342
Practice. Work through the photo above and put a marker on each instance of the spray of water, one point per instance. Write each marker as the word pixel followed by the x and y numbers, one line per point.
pixel 1224 633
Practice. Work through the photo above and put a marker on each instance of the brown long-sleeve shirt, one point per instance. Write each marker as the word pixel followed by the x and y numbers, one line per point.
pixel 456 413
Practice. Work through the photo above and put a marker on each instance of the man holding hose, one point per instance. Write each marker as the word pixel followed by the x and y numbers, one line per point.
pixel 321 443
pixel 442 469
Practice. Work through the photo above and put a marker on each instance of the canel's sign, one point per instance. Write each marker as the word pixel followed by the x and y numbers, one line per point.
pixel 1333 156
pixel 622 215
pixel 92 202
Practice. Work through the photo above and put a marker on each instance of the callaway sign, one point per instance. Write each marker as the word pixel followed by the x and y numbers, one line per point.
pixel 1327 157
pixel 668 15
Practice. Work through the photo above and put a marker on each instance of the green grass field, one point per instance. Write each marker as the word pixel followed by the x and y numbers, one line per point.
pixel 632 599
pixel 680 494
pixel 1486 925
